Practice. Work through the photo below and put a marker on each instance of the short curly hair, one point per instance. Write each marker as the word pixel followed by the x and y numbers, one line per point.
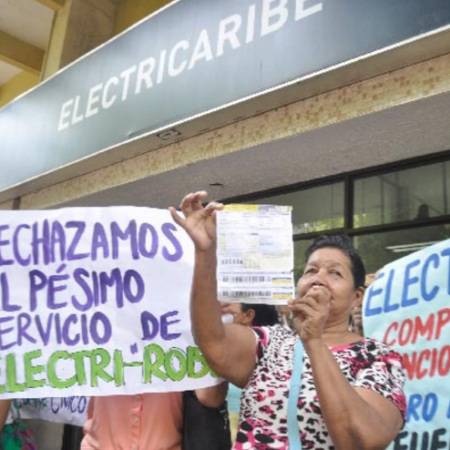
pixel 343 243
pixel 265 315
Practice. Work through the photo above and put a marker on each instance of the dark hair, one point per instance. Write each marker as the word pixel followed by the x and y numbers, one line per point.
pixel 265 315
pixel 343 243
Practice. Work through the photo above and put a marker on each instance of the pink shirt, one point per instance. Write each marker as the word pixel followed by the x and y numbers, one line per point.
pixel 134 422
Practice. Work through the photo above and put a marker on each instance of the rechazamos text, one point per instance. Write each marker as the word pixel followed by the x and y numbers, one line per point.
pixel 52 241
pixel 54 247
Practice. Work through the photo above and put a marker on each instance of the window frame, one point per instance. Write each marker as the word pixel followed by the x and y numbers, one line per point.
pixel 349 179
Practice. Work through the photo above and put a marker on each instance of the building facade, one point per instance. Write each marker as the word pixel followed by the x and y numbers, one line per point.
pixel 239 105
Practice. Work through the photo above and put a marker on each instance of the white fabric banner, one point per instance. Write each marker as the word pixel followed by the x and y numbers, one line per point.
pixel 95 301
pixel 70 410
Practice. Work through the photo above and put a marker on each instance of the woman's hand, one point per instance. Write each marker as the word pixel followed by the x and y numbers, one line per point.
pixel 310 313
pixel 199 221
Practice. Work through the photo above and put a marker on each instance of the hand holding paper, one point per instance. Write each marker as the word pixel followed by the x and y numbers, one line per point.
pixel 199 221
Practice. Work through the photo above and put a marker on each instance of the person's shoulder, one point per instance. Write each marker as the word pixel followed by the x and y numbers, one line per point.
pixel 379 349
pixel 375 345
pixel 271 335
pixel 272 330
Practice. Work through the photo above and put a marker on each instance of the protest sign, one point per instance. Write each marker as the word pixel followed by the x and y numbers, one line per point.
pixel 408 307
pixel 95 301
pixel 67 410
pixel 255 254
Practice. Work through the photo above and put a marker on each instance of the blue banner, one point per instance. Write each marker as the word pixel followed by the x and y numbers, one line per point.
pixel 408 307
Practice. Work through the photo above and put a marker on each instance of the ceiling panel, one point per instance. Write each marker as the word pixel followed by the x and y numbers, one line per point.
pixel 27 20
pixel 402 132
pixel 7 72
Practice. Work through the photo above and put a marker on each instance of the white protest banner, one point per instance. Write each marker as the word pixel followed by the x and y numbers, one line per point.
pixel 255 254
pixel 68 410
pixel 408 307
pixel 95 301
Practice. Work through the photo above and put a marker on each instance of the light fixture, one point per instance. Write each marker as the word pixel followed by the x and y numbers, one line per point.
pixel 166 135
pixel 408 248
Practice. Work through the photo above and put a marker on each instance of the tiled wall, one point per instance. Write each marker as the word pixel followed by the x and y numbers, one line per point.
pixel 411 83
pixel 6 205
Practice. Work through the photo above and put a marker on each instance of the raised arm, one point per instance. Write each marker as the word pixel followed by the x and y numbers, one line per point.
pixel 229 349
pixel 356 418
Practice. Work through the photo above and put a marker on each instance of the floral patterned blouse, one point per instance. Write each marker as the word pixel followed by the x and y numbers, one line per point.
pixel 367 364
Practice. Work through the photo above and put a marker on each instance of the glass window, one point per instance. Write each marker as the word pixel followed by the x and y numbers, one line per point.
pixel 378 249
pixel 314 209
pixel 408 194
pixel 446 176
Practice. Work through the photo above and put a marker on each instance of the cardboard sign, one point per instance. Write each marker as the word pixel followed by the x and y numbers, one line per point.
pixel 95 301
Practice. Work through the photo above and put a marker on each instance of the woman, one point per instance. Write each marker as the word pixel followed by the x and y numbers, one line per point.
pixel 247 315
pixel 152 421
pixel 351 388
